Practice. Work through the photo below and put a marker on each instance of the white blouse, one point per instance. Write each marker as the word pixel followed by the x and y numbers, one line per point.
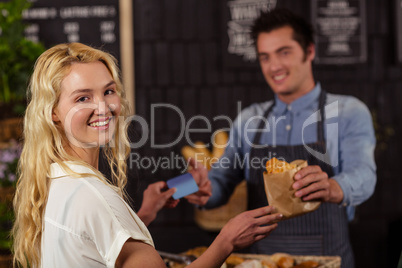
pixel 86 222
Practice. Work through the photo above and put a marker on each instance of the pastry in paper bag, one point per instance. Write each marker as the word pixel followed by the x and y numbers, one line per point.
pixel 278 180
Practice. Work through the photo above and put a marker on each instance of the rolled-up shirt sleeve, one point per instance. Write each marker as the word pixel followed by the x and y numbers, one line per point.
pixel 357 168
pixel 229 170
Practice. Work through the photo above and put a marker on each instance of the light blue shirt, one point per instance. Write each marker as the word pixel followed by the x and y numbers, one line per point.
pixel 349 136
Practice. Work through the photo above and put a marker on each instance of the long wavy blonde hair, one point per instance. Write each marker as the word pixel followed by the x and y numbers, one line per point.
pixel 43 144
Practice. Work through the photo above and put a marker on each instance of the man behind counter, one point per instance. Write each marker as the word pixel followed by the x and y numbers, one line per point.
pixel 339 148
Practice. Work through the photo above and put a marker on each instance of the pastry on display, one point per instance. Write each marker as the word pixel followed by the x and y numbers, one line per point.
pixel 277 260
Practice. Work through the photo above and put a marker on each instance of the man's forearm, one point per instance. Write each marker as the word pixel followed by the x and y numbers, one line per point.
pixel 336 193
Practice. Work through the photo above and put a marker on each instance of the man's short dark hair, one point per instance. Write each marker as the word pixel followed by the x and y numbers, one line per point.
pixel 280 17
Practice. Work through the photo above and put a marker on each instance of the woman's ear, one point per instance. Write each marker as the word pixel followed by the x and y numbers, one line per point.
pixel 55 118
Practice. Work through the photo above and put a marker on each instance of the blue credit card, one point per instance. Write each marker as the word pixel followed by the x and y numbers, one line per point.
pixel 184 184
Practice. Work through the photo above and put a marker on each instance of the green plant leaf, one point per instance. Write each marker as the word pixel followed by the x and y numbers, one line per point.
pixel 17 54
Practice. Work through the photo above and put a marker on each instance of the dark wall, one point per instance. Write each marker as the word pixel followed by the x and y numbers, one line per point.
pixel 179 60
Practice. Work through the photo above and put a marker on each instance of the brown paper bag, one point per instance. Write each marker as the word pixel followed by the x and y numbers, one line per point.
pixel 281 195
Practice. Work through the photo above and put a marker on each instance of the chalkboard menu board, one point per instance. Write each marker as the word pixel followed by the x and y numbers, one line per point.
pixel 92 22
pixel 340 26
pixel 239 50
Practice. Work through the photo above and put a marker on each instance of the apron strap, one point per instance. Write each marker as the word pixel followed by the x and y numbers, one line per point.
pixel 320 125
pixel 257 136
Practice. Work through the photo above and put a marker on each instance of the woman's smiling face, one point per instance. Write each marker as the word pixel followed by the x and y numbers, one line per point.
pixel 88 106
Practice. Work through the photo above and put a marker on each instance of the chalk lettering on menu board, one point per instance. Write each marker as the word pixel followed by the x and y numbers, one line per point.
pixel 54 22
pixel 242 15
pixel 340 31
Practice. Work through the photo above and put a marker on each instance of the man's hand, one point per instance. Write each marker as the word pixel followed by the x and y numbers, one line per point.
pixel 154 199
pixel 200 174
pixel 313 184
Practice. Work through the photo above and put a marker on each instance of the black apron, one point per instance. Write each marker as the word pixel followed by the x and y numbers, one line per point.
pixel 322 232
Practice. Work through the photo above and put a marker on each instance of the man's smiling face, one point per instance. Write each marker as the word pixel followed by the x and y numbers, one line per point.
pixel 284 64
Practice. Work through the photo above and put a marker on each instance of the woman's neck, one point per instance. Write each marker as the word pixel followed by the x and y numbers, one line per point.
pixel 89 155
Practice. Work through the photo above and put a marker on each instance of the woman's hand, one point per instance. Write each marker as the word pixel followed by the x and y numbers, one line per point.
pixel 241 231
pixel 154 199
pixel 250 227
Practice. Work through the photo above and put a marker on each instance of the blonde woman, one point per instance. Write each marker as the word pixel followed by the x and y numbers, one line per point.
pixel 67 213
